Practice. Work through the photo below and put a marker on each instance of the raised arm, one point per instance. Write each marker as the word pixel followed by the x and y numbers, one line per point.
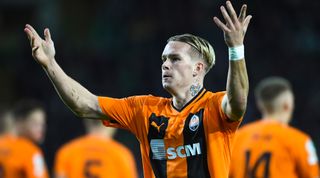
pixel 76 97
pixel 235 101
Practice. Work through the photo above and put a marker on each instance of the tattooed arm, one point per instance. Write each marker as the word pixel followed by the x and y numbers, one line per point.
pixel 76 97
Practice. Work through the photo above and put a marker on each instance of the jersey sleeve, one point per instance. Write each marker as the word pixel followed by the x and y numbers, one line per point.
pixel 306 159
pixel 123 113
pixel 61 163
pixel 35 165
pixel 217 102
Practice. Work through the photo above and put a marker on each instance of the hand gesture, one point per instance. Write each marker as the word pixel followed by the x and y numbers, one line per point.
pixel 235 27
pixel 42 50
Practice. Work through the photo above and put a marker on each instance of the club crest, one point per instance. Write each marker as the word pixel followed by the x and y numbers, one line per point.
pixel 194 123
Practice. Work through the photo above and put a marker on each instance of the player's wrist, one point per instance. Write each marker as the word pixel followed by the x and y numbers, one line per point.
pixel 236 53
pixel 50 63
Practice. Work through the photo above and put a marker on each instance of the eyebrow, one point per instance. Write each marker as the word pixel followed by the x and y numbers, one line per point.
pixel 170 56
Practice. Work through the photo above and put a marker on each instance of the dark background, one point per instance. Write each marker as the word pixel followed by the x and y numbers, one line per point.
pixel 113 48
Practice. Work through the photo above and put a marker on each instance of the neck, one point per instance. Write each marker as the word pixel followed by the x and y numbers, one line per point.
pixel 280 117
pixel 103 133
pixel 10 132
pixel 180 99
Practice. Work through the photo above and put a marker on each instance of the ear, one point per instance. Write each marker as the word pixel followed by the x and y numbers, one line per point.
pixel 199 67
pixel 285 105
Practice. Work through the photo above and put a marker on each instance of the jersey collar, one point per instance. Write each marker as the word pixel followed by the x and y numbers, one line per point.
pixel 194 99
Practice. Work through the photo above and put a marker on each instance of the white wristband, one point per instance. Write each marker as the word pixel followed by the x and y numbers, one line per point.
pixel 236 53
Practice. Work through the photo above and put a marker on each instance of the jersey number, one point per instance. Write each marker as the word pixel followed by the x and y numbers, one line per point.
pixel 1 171
pixel 264 158
pixel 88 166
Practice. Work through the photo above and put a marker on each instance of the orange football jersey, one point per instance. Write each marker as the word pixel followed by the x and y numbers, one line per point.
pixel 92 156
pixel 269 149
pixel 194 141
pixel 20 158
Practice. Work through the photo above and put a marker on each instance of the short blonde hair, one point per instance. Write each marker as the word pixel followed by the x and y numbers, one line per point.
pixel 201 45
pixel 269 89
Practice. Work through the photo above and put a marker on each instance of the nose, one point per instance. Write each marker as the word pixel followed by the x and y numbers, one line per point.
pixel 165 65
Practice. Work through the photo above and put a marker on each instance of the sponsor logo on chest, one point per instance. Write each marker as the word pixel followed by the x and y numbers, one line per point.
pixel 161 153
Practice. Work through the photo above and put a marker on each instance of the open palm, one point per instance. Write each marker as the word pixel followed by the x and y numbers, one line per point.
pixel 43 50
pixel 235 27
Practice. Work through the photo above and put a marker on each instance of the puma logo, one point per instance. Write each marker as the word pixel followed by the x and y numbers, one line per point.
pixel 156 126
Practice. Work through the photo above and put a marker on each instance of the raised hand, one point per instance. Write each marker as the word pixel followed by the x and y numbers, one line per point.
pixel 43 50
pixel 235 27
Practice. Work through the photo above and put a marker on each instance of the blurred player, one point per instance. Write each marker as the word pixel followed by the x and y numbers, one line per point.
pixel 19 154
pixel 94 155
pixel 270 148
pixel 188 135
pixel 6 122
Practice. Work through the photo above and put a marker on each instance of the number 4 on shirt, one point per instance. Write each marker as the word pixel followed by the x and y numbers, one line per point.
pixel 1 171
pixel 251 171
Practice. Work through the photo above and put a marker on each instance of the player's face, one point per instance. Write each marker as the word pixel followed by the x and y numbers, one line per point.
pixel 35 124
pixel 177 67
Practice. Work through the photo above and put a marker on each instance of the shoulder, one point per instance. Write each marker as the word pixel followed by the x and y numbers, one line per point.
pixel 302 146
pixel 286 133
pixel 249 128
pixel 150 100
pixel 19 147
pixel 146 99
pixel 135 100
pixel 297 135
pixel 216 95
pixel 71 145
pixel 4 139
pixel 28 146
pixel 29 152
pixel 212 98
pixel 262 127
pixel 276 127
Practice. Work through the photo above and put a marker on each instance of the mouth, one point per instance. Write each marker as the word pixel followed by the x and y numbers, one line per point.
pixel 166 76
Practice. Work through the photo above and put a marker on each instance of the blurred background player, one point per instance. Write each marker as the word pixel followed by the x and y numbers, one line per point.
pixel 95 155
pixel 269 148
pixel 6 122
pixel 19 154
